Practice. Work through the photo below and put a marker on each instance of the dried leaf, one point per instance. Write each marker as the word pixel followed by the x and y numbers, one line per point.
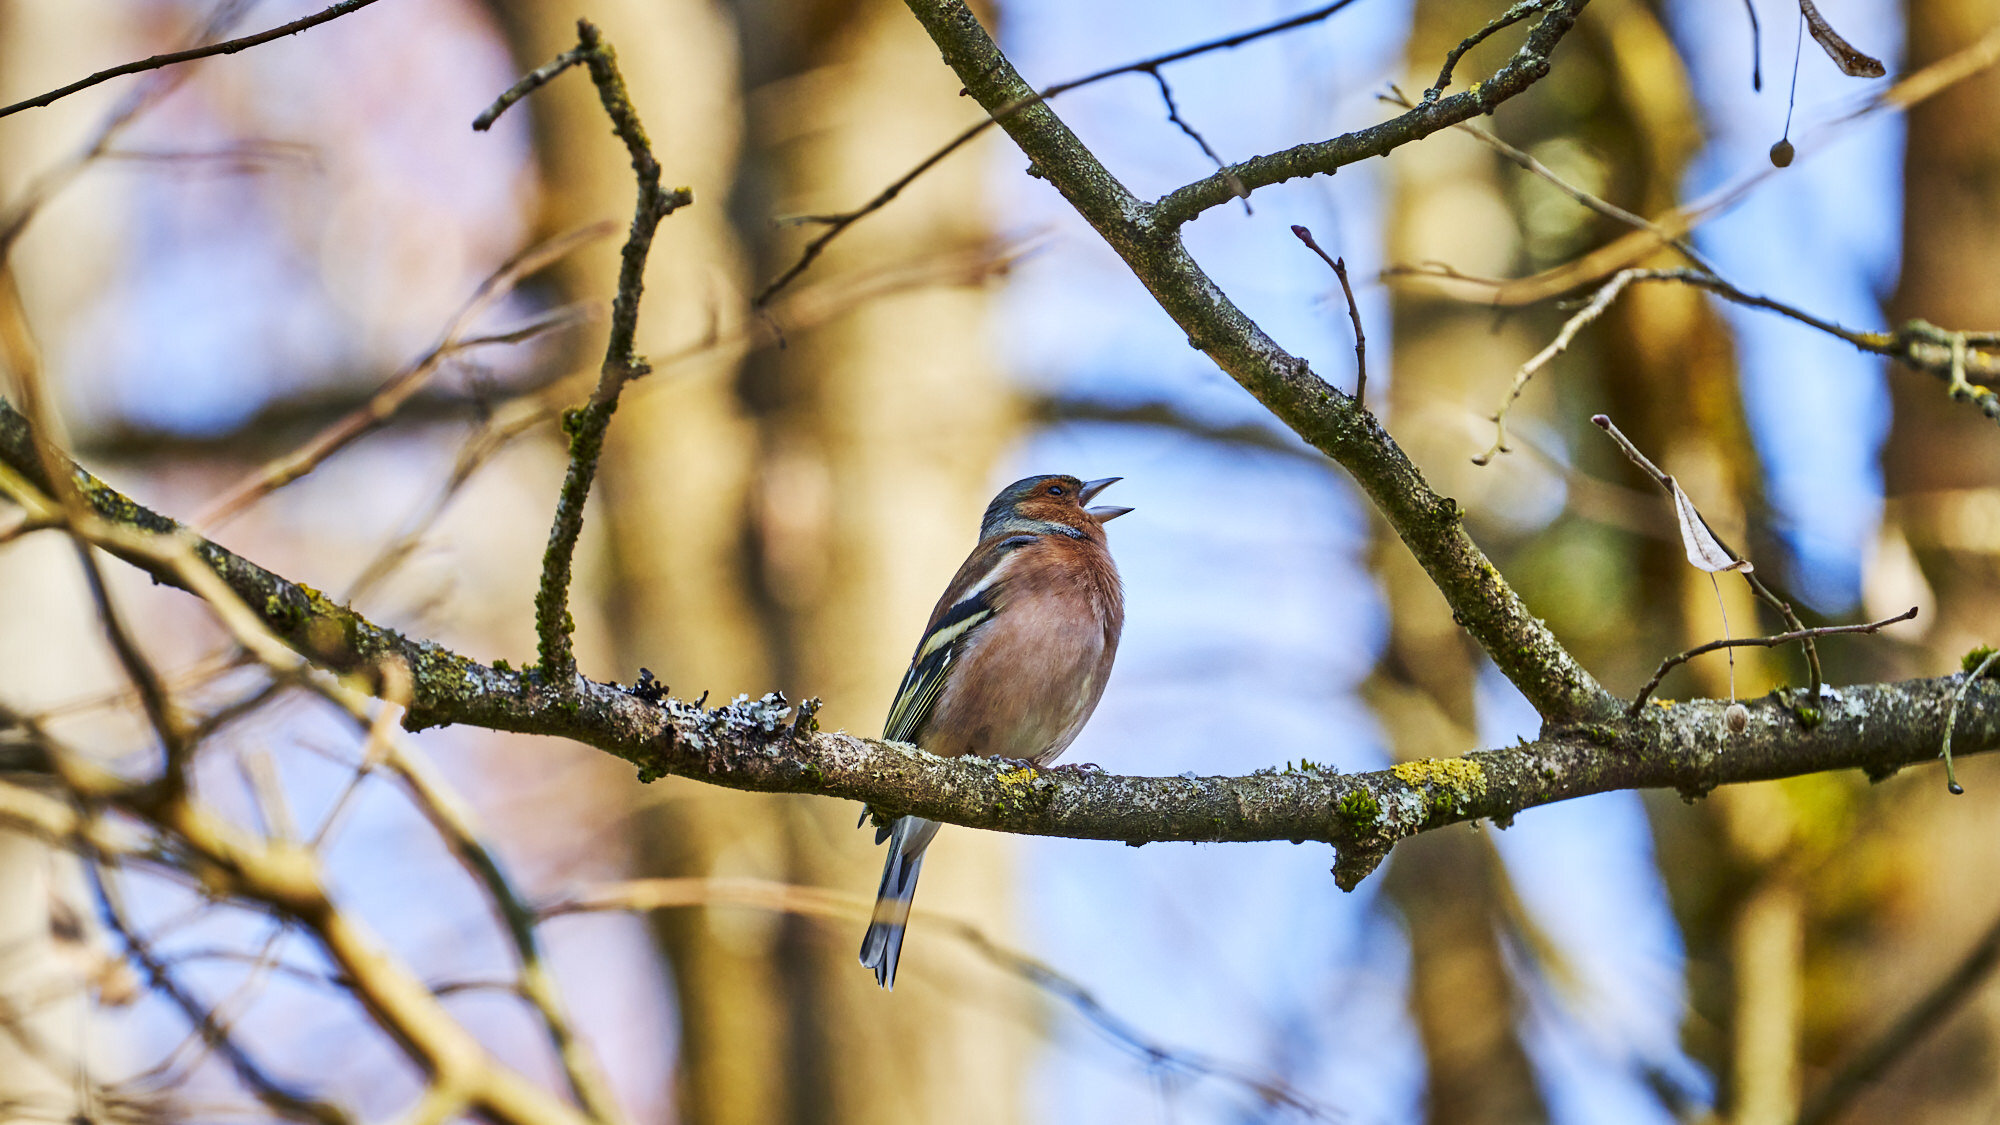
pixel 1702 549
pixel 1851 62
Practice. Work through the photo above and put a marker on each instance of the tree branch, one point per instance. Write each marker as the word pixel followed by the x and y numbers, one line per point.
pixel 1680 658
pixel 763 745
pixel 1523 70
pixel 230 47
pixel 585 425
pixel 1149 241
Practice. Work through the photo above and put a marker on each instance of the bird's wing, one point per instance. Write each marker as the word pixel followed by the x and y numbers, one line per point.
pixel 968 603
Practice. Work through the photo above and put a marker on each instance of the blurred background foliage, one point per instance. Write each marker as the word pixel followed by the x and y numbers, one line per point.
pixel 221 260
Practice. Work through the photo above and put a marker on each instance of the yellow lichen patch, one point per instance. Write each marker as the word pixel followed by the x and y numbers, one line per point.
pixel 1459 775
pixel 1021 776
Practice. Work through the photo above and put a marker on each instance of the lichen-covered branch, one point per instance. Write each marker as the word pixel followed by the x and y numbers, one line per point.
pixel 585 425
pixel 767 746
pixel 1148 238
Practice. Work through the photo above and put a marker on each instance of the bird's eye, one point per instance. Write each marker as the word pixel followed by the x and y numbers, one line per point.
pixel 1055 490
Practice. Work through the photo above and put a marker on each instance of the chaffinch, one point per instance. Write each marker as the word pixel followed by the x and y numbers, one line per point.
pixel 1010 666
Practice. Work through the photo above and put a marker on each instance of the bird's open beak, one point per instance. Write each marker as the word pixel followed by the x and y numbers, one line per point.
pixel 1104 512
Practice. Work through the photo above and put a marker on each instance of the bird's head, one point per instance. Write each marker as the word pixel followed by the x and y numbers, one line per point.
pixel 1042 505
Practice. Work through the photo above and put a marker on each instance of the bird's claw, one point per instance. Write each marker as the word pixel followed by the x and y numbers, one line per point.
pixel 1080 768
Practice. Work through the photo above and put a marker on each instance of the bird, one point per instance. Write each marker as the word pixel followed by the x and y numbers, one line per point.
pixel 1011 664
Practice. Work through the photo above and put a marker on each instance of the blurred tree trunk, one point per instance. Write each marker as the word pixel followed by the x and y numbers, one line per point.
pixel 50 947
pixel 1921 870
pixel 787 521
pixel 1667 367
pixel 1449 886
pixel 1617 118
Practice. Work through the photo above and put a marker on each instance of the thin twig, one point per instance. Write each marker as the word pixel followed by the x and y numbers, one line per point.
pixel 452 820
pixel 404 385
pixel 1506 19
pixel 1339 267
pixel 1590 312
pixel 1675 661
pixel 529 83
pixel 1924 1017
pixel 1174 115
pixel 213 1033
pixel 1757 585
pixel 839 221
pixel 1951 721
pixel 586 425
pixel 157 61
pixel 822 902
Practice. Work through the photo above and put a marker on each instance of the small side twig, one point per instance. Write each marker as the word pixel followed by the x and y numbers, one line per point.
pixel 529 83
pixel 1174 115
pixel 402 387
pixel 1678 659
pixel 1757 586
pixel 229 47
pixel 214 1033
pixel 838 222
pixel 452 819
pixel 1951 721
pixel 585 425
pixel 1599 301
pixel 1506 19
pixel 1339 266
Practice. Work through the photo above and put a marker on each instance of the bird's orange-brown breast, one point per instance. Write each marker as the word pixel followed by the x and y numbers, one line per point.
pixel 1028 679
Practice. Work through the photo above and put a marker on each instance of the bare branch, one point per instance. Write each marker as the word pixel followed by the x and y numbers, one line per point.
pixel 1757 585
pixel 1506 19
pixel 586 425
pixel 1678 659
pixel 1316 158
pixel 839 222
pixel 760 745
pixel 1148 240
pixel 1339 267
pixel 230 47
pixel 823 902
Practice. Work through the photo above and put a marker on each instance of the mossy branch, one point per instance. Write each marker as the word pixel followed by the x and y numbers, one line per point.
pixel 585 425
pixel 768 746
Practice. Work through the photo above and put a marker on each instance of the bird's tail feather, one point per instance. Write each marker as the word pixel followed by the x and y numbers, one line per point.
pixel 883 944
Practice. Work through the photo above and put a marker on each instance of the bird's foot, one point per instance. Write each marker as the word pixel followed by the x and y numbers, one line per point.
pixel 1080 768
